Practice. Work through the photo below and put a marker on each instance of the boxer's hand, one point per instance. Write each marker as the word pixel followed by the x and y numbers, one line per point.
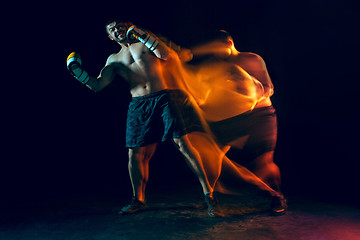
pixel 134 32
pixel 144 37
pixel 73 64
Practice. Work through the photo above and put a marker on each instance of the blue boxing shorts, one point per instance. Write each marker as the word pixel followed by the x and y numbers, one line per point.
pixel 160 116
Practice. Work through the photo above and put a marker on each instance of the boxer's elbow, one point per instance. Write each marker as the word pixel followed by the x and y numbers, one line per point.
pixel 97 84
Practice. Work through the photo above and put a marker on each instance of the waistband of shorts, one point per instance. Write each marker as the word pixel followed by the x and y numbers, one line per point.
pixel 156 94
pixel 260 110
pixel 265 108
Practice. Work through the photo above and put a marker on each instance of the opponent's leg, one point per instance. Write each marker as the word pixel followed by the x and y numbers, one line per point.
pixel 265 168
pixel 193 159
pixel 231 168
pixel 210 155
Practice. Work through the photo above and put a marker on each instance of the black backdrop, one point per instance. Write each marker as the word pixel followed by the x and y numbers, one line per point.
pixel 60 139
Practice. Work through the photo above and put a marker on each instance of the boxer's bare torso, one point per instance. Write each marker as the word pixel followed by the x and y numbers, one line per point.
pixel 143 71
pixel 140 67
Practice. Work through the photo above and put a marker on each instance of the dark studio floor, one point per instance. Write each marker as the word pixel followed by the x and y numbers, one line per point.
pixel 181 216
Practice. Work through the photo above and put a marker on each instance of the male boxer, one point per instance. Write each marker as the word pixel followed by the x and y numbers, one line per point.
pixel 253 134
pixel 155 113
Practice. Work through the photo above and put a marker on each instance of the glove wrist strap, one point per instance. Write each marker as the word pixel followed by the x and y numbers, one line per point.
pixel 81 75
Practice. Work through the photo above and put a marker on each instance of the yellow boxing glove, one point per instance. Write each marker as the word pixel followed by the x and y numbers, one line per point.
pixel 73 64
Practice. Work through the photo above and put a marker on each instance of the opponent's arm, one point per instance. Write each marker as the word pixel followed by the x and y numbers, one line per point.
pixel 105 77
pixel 150 40
pixel 256 67
pixel 185 54
pixel 212 48
pixel 246 84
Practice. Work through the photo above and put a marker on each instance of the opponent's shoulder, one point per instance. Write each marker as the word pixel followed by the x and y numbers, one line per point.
pixel 250 56
pixel 250 60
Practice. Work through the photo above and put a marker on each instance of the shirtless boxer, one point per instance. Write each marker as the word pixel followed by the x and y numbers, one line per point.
pixel 154 112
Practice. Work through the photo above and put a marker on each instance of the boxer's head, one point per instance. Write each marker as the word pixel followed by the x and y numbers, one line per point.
pixel 116 30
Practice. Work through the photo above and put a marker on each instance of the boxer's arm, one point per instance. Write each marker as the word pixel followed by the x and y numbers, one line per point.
pixel 104 79
pixel 151 41
pixel 96 84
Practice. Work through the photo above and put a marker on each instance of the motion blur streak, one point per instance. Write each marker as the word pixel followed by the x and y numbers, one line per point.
pixel 219 90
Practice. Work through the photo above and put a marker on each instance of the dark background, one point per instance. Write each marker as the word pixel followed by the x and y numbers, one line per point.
pixel 60 139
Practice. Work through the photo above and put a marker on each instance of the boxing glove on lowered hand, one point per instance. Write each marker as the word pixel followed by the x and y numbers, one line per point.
pixel 73 63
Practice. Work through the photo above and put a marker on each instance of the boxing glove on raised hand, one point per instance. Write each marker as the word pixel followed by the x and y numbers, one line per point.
pixel 144 37
pixel 73 64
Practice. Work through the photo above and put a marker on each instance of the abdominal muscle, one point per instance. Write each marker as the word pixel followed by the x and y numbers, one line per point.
pixel 147 87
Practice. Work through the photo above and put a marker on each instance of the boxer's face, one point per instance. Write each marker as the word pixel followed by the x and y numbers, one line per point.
pixel 117 31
